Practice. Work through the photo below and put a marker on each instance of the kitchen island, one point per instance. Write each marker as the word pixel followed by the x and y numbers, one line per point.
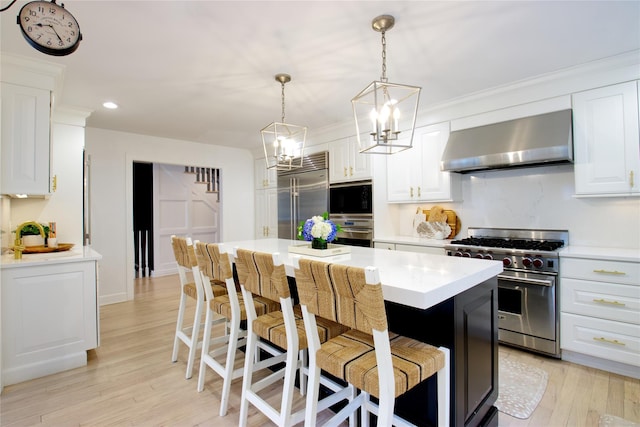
pixel 444 301
pixel 48 311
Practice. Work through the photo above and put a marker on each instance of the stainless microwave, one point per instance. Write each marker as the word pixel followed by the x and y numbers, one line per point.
pixel 351 198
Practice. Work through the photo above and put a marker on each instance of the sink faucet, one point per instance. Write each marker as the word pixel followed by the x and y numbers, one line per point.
pixel 18 247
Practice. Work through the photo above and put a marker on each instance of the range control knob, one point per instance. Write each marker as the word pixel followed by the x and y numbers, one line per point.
pixel 479 256
pixel 466 255
pixel 506 262
pixel 488 256
pixel 458 253
pixel 527 262
pixel 538 262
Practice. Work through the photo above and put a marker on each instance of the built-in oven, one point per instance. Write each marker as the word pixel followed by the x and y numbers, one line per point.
pixel 351 207
pixel 527 310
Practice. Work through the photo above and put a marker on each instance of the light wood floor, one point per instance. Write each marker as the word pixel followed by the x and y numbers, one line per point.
pixel 130 380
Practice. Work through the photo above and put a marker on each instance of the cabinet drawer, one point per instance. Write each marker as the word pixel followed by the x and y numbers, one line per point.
pixel 601 270
pixel 604 301
pixel 422 249
pixel 609 340
pixel 382 245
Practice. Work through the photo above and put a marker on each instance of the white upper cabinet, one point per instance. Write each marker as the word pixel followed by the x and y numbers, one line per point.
pixel 346 163
pixel 414 175
pixel 26 118
pixel 265 178
pixel 606 141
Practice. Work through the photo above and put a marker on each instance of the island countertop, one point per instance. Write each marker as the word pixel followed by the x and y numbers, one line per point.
pixel 413 279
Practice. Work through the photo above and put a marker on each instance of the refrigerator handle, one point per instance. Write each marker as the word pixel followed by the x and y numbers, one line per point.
pixel 293 205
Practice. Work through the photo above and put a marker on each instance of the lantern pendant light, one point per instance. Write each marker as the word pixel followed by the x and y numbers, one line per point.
pixel 283 142
pixel 385 113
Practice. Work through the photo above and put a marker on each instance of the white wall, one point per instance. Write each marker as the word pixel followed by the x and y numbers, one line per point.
pixel 112 156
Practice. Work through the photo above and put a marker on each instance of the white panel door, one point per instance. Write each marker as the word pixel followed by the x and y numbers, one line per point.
pixel 181 207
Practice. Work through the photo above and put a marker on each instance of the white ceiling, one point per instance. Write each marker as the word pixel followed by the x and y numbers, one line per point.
pixel 204 70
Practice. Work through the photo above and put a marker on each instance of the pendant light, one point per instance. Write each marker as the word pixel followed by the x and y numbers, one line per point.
pixel 385 113
pixel 283 142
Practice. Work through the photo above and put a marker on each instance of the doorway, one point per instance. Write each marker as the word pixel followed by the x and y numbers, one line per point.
pixel 172 200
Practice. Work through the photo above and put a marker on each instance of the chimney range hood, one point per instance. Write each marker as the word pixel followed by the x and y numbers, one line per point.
pixel 530 141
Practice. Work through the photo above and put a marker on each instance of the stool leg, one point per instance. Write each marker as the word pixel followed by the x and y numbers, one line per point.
pixel 444 384
pixel 176 340
pixel 206 340
pixel 228 367
pixel 194 339
pixel 247 380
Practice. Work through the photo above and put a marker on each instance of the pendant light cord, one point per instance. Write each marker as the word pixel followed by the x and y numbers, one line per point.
pixel 384 58
pixel 282 83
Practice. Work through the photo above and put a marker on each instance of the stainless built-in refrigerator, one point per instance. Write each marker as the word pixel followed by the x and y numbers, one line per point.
pixel 302 193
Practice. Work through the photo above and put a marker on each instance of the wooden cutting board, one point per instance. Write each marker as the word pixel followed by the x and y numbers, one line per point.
pixel 452 220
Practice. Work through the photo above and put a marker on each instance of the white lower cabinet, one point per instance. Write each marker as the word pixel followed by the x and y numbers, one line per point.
pixel 600 313
pixel 49 319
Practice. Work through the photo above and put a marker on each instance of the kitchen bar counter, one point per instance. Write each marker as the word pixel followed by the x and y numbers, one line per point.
pixel 443 301
pixel 413 279
pixel 591 252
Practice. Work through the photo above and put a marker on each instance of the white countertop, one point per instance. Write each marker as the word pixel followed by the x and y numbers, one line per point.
pixel 593 252
pixel 414 279
pixel 409 240
pixel 84 253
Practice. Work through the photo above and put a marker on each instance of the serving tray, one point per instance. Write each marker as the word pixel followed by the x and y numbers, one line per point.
pixel 44 249
pixel 332 249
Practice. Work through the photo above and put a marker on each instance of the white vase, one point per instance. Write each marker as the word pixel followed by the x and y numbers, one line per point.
pixel 32 240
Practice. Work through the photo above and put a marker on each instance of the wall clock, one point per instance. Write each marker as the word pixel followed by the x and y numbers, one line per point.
pixel 49 27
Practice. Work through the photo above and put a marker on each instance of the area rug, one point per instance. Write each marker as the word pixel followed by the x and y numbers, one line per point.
pixel 521 388
pixel 607 420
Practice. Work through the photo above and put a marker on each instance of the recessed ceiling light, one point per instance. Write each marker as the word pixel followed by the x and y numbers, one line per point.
pixel 110 105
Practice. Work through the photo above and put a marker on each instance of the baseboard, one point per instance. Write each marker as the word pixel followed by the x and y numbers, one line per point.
pixel 113 298
pixel 603 364
pixel 36 370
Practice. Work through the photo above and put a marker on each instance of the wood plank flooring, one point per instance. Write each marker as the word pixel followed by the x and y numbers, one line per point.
pixel 130 380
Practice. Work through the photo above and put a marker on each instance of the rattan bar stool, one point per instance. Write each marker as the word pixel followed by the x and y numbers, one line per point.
pixel 284 329
pixel 190 289
pixel 368 356
pixel 214 263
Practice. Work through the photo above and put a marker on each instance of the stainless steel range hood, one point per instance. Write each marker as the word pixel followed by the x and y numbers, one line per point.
pixel 530 141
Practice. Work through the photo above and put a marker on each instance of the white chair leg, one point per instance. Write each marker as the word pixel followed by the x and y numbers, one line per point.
pixel 288 388
pixel 444 384
pixel 194 340
pixel 206 340
pixel 313 391
pixel 247 377
pixel 304 364
pixel 179 321
pixel 232 346
pixel 364 410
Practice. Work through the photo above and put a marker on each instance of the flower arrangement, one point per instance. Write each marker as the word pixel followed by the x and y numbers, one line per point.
pixel 319 230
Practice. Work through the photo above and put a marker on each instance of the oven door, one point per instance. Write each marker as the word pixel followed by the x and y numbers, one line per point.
pixel 527 304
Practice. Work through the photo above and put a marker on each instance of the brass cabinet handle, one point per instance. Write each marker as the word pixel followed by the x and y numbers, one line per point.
pixel 603 339
pixel 631 179
pixel 419 192
pixel 604 301
pixel 619 273
pixel 345 171
pixel 350 170
pixel 410 191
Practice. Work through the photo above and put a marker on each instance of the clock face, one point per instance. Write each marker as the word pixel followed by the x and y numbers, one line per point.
pixel 49 28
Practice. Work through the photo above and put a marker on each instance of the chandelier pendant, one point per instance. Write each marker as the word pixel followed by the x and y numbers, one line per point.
pixel 283 143
pixel 385 113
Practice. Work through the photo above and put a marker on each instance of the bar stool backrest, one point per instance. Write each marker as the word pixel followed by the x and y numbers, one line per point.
pixel 261 276
pixel 340 293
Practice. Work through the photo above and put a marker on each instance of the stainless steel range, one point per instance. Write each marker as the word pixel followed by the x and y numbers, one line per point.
pixel 528 310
